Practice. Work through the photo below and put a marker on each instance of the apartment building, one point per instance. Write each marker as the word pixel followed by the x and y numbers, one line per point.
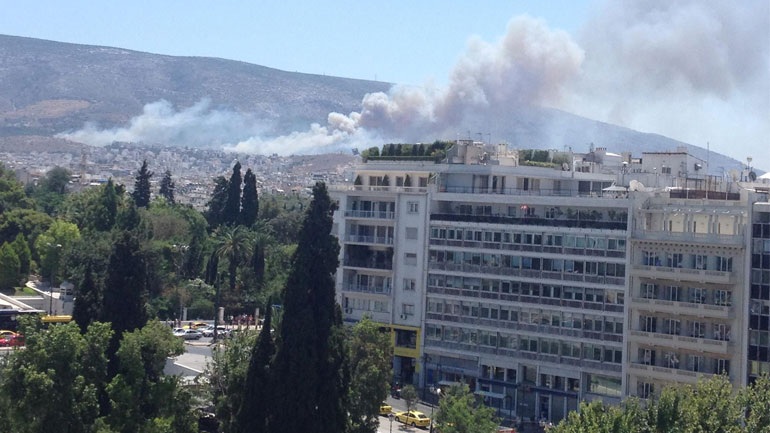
pixel 758 352
pixel 544 285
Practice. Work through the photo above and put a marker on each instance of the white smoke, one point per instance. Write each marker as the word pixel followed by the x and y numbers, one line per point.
pixel 694 70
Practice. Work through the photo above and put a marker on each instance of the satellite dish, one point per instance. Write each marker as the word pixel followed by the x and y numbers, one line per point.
pixel 752 176
pixel 635 185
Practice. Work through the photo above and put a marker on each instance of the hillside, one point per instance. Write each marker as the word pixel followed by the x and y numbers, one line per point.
pixel 50 87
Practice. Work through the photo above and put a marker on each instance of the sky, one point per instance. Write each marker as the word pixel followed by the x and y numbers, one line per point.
pixel 693 70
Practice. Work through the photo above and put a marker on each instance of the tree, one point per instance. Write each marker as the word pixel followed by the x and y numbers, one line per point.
pixel 124 296
pixel 262 240
pixel 234 245
pixel 21 247
pixel 167 187
pixel 88 300
pixel 459 412
pixel 141 194
pixel 313 400
pixel 12 194
pixel 9 268
pixel 370 355
pixel 142 397
pixel 105 212
pixel 409 394
pixel 215 208
pixel 232 209
pixel 52 189
pixel 254 412
pixel 250 200
pixel 51 244
pixel 227 376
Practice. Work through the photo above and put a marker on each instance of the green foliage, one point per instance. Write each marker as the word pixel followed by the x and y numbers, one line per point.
pixel 254 411
pixel 167 187
pixel 310 341
pixel 215 208
pixel 9 268
pixel 227 376
pixel 410 397
pixel 12 194
pixel 710 406
pixel 55 380
pixel 232 208
pixel 142 193
pixel 21 247
pixel 28 222
pixel 459 412
pixel 140 394
pixel 61 235
pixel 370 357
pixel 249 201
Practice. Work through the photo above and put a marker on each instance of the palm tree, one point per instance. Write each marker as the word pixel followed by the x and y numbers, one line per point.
pixel 233 243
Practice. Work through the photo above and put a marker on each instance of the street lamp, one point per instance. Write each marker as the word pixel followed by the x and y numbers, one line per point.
pixel 436 391
pixel 390 417
pixel 53 247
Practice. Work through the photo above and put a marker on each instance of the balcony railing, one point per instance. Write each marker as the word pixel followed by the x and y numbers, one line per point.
pixel 378 290
pixel 369 264
pixel 384 215
pixel 684 274
pixel 684 308
pixel 552 249
pixel 370 239
pixel 540 192
pixel 681 341
pixel 526 273
pixel 530 221
pixel 669 236
pixel 539 300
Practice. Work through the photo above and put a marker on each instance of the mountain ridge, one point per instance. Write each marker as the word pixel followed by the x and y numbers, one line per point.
pixel 49 87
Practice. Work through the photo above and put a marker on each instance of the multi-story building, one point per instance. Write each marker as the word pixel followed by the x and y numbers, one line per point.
pixel 759 297
pixel 541 287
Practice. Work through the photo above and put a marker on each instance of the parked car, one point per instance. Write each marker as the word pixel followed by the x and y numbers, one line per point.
pixel 10 339
pixel 188 334
pixel 413 418
pixel 385 409
pixel 222 331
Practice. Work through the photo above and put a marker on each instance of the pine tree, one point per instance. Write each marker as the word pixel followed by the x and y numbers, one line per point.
pixel 250 200
pixel 216 206
pixel 106 211
pixel 313 387
pixel 167 187
pixel 141 194
pixel 233 204
pixel 255 406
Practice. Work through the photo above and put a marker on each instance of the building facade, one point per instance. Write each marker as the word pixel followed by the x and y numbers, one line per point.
pixel 543 286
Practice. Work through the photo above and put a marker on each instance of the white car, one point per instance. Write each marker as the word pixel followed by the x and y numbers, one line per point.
pixel 187 334
pixel 222 331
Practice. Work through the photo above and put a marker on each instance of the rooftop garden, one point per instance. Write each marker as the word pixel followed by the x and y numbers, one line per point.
pixel 435 152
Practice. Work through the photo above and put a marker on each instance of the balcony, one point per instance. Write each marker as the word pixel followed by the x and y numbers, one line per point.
pixel 551 249
pixel 370 214
pixel 385 265
pixel 680 342
pixel 375 290
pixel 683 274
pixel 682 308
pixel 688 237
pixel 667 374
pixel 530 221
pixel 526 273
pixel 375 240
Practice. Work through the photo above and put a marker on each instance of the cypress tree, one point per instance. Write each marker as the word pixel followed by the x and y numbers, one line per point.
pixel 141 194
pixel 255 406
pixel 250 200
pixel 233 204
pixel 216 206
pixel 124 292
pixel 312 393
pixel 167 187
pixel 88 303
pixel 106 211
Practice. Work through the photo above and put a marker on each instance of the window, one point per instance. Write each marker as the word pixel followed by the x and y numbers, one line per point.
pixel 722 366
pixel 725 264
pixel 721 332
pixel 411 233
pixel 647 356
pixel 723 297
pixel 407 309
pixel 648 323
pixel 649 291
pixel 410 259
pixel 672 359
pixel 673 293
pixel 674 260
pixel 410 284
pixel 697 329
pixel 672 326
pixel 701 261
pixel 697 295
pixel 412 207
pixel 645 389
pixel 695 363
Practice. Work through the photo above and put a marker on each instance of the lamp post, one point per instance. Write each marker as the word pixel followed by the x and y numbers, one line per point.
pixel 436 391
pixel 55 256
pixel 390 417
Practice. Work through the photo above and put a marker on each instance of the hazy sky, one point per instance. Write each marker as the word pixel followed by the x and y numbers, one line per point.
pixel 693 70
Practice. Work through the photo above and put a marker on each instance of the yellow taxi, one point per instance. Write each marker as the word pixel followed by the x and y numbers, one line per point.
pixel 413 418
pixel 385 409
